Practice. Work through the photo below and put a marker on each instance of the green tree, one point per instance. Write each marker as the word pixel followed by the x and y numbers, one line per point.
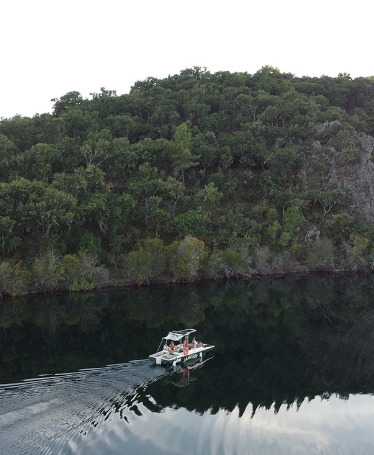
pixel 73 183
pixel 14 278
pixel 147 261
pixel 321 253
pixel 7 239
pixel 7 154
pixel 206 145
pixel 185 257
pixel 292 222
pixel 39 162
pixel 46 269
pixel 191 222
pixel 358 251
pixel 225 263
pixel 36 205
pixel 81 272
pixel 172 193
pixel 110 211
pixel 54 208
pixel 208 198
pixel 66 101
pixel 180 151
pixel 330 198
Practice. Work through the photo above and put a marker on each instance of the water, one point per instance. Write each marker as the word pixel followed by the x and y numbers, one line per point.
pixel 293 370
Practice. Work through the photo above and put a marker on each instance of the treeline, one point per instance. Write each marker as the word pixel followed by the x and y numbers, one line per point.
pixel 195 175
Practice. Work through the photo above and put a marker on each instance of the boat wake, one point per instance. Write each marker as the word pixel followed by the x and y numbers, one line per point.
pixel 46 414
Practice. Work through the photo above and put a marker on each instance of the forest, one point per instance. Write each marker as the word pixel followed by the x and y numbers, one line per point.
pixel 196 176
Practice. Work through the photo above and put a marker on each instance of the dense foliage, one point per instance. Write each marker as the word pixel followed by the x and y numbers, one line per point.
pixel 195 175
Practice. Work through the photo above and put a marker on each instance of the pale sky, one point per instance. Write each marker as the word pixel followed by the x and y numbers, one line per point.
pixel 49 48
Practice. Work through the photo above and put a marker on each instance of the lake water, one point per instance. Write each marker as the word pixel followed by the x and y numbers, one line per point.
pixel 292 372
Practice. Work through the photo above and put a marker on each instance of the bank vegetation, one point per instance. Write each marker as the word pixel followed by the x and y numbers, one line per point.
pixel 196 176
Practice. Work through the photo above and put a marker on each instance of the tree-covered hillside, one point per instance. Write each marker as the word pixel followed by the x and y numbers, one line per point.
pixel 196 175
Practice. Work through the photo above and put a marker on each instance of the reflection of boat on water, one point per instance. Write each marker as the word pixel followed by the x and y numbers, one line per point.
pixel 194 364
pixel 186 370
pixel 182 351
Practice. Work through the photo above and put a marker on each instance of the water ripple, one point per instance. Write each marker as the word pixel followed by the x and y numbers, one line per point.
pixel 42 415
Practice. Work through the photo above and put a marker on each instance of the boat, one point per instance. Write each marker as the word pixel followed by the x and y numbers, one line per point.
pixel 181 350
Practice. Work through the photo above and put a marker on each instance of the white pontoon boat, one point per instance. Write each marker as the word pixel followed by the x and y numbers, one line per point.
pixel 181 350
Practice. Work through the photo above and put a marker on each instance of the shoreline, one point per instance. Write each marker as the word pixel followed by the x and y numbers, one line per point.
pixel 118 283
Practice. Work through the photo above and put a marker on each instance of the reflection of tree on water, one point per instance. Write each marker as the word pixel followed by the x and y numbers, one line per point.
pixel 69 331
pixel 349 354
pixel 306 339
pixel 277 341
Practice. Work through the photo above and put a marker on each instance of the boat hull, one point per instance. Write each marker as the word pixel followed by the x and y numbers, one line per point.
pixel 166 359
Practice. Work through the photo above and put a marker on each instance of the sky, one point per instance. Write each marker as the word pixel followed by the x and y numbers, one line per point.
pixel 50 48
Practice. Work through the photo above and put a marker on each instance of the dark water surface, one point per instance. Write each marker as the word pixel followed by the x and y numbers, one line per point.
pixel 292 372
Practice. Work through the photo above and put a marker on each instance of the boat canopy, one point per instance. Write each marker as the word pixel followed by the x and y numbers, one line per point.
pixel 177 335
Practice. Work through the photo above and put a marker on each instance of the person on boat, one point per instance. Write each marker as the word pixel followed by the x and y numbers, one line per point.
pixel 197 344
pixel 171 347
